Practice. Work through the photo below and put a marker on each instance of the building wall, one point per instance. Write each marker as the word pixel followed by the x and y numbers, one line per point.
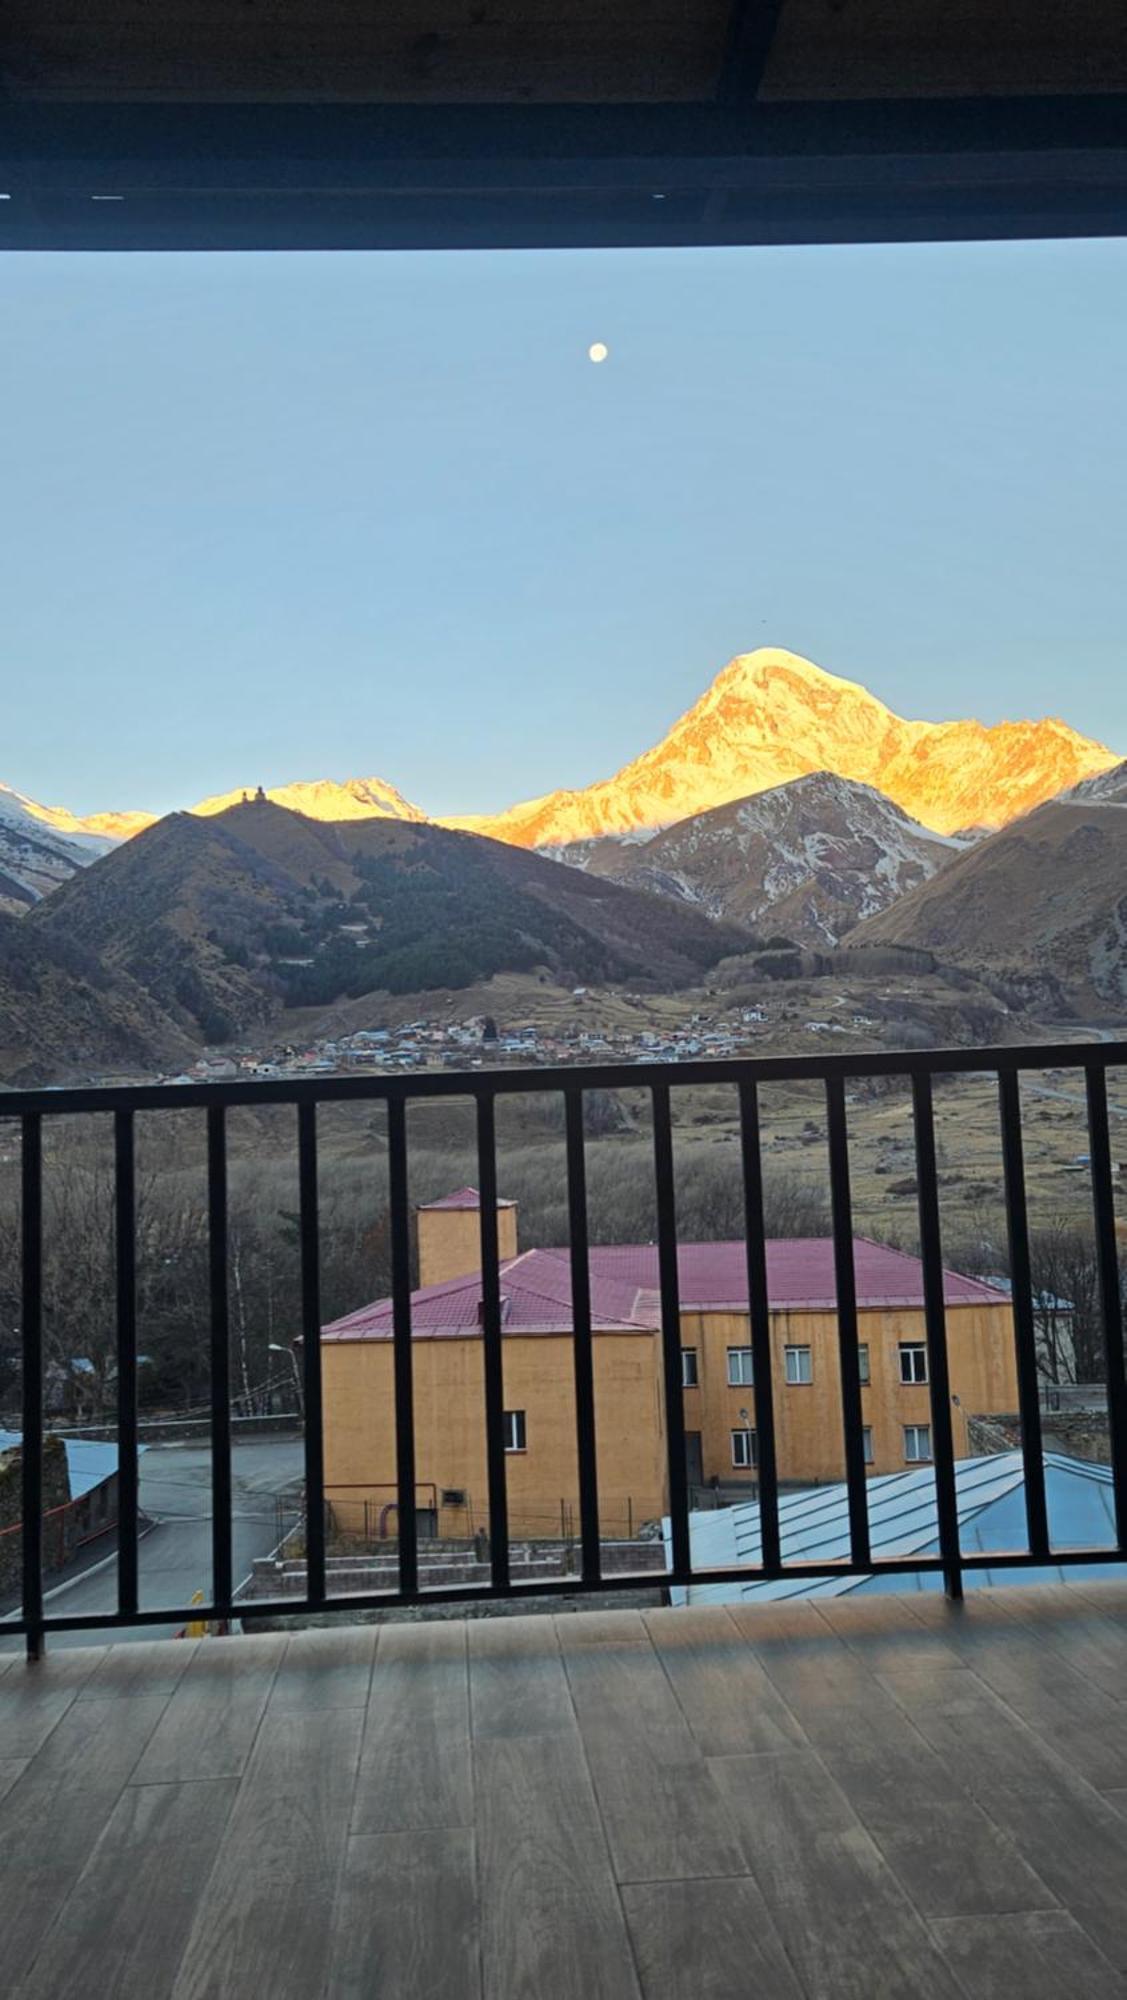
pixel 808 1416
pixel 539 1379
pixel 450 1241
pixel 450 1430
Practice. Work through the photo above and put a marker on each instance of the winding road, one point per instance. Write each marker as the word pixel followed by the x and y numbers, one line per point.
pixel 175 1553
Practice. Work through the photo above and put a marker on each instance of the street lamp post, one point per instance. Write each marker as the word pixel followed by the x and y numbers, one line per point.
pixel 275 1347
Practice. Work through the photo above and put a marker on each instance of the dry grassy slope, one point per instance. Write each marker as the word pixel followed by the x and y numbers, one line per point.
pixel 1043 903
pixel 63 1016
pixel 165 908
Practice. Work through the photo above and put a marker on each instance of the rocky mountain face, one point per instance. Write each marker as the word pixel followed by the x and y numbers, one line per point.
pixel 224 919
pixel 809 859
pixel 1108 788
pixel 1040 907
pixel 770 716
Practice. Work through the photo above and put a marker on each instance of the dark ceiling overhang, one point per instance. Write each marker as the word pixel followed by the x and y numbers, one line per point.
pixel 612 122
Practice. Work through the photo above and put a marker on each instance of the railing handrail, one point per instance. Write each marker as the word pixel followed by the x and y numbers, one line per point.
pixel 659 1080
pixel 238 1092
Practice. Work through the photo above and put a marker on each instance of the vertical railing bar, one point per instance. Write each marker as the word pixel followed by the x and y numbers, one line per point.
pixel 1021 1296
pixel 31 1333
pixel 671 1329
pixel 845 1281
pixel 491 1335
pixel 220 1355
pixel 759 1315
pixel 125 1260
pixel 584 1361
pixel 1107 1258
pixel 935 1322
pixel 311 1351
pixel 401 1333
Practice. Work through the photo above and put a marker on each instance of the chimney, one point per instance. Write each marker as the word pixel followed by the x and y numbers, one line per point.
pixel 450 1235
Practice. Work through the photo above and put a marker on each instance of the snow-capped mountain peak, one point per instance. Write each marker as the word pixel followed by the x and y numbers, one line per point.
pixel 327 799
pixel 770 716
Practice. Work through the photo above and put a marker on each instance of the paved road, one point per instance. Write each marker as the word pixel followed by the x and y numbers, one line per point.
pixel 175 1556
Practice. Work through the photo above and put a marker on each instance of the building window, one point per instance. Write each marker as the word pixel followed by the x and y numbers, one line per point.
pixel 913 1361
pixel 863 1362
pixel 689 1377
pixel 796 1361
pixel 740 1373
pixel 917 1443
pixel 745 1450
pixel 514 1430
pixel 867 1443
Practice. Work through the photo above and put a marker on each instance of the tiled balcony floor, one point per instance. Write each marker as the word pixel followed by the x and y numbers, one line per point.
pixel 874 1798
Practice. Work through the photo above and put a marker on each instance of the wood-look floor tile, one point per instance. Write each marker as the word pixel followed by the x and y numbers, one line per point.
pixel 1045 1956
pixel 264 1920
pixel 729 1701
pixel 953 1860
pixel 406 1920
pixel 518 1686
pixel 325 1669
pixel 124 1927
pixel 706 1941
pixel 34 1695
pixel 212 1718
pixel 142 1667
pixel 848 1926
pixel 415 1762
pixel 551 1919
pixel 663 1815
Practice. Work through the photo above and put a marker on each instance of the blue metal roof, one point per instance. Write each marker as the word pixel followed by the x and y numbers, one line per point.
pixel 89 1462
pixel 814 1527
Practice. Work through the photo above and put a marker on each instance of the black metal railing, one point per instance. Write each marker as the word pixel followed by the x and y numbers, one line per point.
pixel 32 1110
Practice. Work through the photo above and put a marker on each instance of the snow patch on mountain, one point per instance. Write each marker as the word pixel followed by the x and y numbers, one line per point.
pixel 34 856
pixel 808 859
pixel 326 799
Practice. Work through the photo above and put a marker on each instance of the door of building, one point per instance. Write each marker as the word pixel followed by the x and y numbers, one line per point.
pixel 694 1461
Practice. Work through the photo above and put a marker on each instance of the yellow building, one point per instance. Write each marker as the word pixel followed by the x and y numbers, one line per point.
pixel 717 1373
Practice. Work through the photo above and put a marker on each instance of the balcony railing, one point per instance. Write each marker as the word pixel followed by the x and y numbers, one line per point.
pixel 661 1081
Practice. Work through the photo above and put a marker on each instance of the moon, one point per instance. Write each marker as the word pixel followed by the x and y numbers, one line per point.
pixel 598 351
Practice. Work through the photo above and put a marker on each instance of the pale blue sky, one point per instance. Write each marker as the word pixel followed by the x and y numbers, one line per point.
pixel 267 517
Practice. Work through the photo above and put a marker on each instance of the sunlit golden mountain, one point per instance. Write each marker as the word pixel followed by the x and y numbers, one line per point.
pixel 767 718
pixel 771 716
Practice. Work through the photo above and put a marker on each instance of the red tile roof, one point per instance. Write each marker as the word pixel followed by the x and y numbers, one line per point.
pixel 466 1197
pixel 536 1288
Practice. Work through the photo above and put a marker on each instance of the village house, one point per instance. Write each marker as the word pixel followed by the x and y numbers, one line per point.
pixel 717 1373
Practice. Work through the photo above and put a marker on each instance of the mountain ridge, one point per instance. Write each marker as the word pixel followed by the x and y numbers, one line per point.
pixel 810 858
pixel 770 716
pixel 226 918
pixel 1039 906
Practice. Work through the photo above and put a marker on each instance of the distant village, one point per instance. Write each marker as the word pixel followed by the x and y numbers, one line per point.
pixel 478 1043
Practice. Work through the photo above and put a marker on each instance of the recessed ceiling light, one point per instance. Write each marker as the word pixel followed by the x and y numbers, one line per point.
pixel 107 197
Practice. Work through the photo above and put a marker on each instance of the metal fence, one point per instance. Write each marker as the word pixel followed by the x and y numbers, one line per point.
pixel 660 1081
